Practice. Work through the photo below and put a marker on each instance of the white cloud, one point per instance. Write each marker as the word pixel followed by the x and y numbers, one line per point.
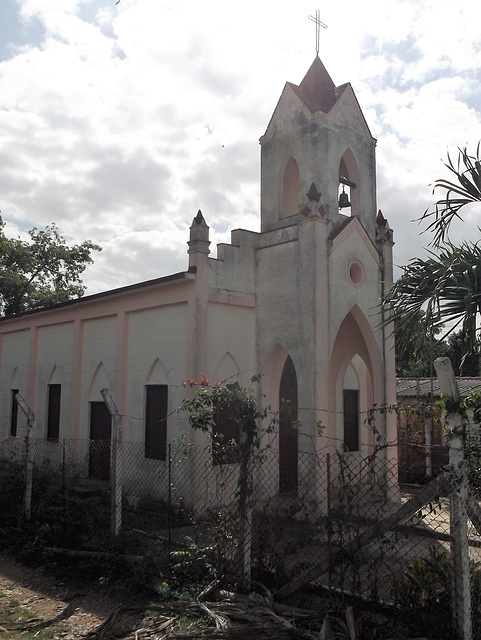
pixel 120 121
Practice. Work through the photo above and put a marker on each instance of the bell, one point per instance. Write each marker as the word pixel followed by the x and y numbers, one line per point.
pixel 344 200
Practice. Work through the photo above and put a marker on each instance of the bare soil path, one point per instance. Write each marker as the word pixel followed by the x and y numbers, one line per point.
pixel 33 604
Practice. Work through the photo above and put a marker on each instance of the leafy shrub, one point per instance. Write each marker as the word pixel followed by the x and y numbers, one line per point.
pixel 424 593
pixel 193 564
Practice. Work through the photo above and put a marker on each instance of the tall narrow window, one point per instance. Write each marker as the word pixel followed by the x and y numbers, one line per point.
pixel 351 419
pixel 288 432
pixel 226 436
pixel 53 412
pixel 14 415
pixel 100 441
pixel 156 421
pixel 290 189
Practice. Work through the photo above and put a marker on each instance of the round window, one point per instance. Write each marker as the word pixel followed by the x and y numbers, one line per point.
pixel 356 272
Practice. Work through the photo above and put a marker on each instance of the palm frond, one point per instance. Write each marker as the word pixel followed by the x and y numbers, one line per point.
pixel 466 189
pixel 442 289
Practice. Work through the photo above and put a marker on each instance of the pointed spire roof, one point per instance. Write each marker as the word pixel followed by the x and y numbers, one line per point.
pixel 317 90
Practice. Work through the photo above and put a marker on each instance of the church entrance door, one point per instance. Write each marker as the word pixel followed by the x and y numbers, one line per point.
pixel 100 434
pixel 288 445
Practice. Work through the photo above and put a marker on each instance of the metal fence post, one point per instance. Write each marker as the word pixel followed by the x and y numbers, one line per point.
pixel 461 591
pixel 64 490
pixel 28 454
pixel 115 461
pixel 329 522
pixel 169 511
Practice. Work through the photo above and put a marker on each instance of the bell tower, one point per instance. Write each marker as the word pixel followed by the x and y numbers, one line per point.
pixel 324 259
pixel 318 139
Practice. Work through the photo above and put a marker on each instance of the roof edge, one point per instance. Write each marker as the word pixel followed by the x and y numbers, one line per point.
pixel 181 275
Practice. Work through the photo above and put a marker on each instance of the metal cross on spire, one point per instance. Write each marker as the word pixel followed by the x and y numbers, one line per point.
pixel 317 20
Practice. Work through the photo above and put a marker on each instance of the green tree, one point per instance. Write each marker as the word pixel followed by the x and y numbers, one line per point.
pixel 421 364
pixel 469 365
pixel 444 289
pixel 415 358
pixel 41 272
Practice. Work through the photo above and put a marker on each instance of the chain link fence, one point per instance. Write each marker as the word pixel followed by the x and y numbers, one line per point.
pixel 346 527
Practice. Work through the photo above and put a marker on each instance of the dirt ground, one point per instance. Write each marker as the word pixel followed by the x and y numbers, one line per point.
pixel 36 605
pixel 33 604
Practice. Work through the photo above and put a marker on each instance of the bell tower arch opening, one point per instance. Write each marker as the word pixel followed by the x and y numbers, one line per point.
pixel 349 187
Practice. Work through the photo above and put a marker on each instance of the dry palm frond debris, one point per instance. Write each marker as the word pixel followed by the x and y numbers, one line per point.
pixel 235 617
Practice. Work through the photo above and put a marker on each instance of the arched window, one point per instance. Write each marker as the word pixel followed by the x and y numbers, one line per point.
pixel 156 399
pixel 227 429
pixel 290 188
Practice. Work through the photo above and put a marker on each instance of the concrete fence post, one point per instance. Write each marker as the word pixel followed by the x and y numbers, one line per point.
pixel 461 591
pixel 115 462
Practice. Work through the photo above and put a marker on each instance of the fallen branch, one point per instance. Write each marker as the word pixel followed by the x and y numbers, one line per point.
pixel 78 553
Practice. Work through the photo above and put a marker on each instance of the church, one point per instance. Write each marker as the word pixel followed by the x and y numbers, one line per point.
pixel 298 302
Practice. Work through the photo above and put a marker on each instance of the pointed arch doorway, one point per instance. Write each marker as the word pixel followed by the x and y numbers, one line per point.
pixel 288 440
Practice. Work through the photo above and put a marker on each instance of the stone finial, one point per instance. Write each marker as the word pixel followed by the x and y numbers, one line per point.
pixel 199 235
pixel 383 230
pixel 199 218
pixel 380 219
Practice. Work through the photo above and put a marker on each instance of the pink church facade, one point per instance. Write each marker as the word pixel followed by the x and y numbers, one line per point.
pixel 297 301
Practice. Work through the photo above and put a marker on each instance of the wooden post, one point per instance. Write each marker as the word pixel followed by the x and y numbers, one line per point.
pixel 115 462
pixel 461 591
pixel 28 454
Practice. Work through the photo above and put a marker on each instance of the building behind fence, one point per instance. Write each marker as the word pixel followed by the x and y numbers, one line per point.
pixel 423 450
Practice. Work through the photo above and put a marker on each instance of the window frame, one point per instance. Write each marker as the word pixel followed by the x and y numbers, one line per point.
pixel 13 414
pixel 156 408
pixel 351 420
pixel 226 433
pixel 53 412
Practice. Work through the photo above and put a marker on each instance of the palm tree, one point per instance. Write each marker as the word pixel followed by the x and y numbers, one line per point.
pixel 444 288
pixel 465 190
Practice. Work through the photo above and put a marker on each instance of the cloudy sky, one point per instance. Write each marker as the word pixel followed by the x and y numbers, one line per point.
pixel 119 121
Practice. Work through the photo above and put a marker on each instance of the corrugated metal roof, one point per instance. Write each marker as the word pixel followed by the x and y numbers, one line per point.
pixel 421 387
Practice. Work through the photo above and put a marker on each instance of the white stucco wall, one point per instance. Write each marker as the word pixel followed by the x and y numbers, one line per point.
pixel 230 331
pixel 157 339
pixel 14 375
pixel 54 366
